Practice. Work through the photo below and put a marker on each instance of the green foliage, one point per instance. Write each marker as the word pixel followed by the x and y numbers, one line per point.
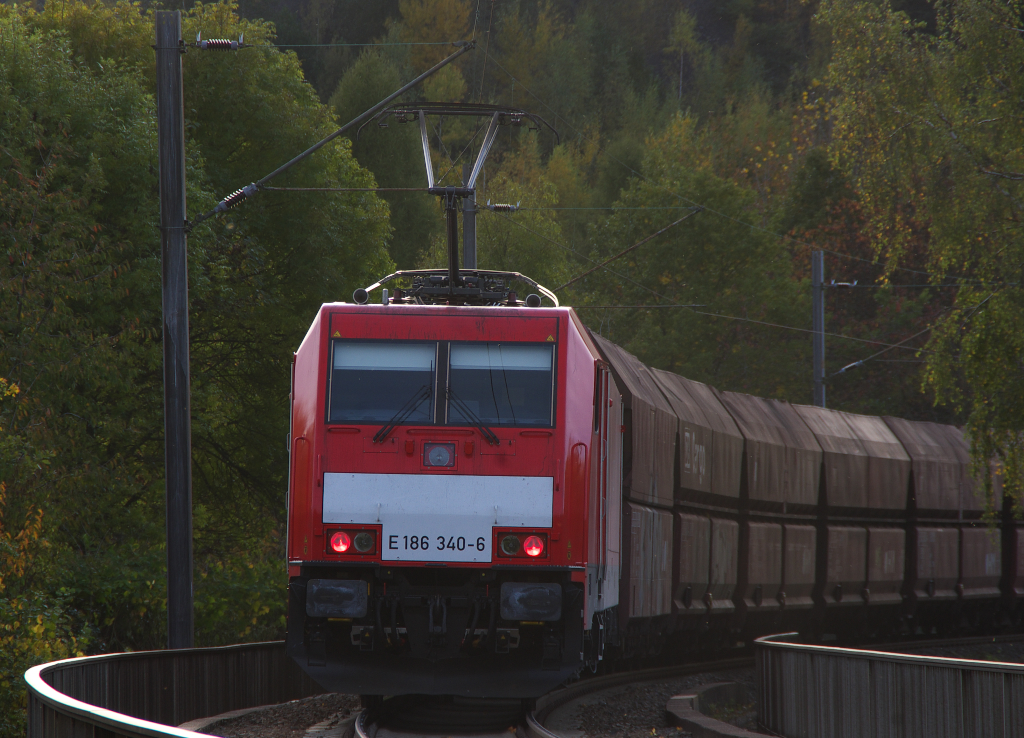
pixel 73 303
pixel 747 78
pixel 712 260
pixel 526 242
pixel 393 154
pixel 242 599
pixel 80 302
pixel 36 622
pixel 821 208
pixel 931 128
pixel 888 134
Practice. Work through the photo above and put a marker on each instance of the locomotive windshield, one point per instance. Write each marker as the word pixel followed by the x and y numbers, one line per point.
pixel 502 383
pixel 498 384
pixel 374 381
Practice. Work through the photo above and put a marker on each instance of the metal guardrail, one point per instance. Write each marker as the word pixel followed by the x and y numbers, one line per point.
pixel 809 691
pixel 147 693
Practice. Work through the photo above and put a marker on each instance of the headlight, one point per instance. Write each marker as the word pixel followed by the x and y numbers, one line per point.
pixel 439 454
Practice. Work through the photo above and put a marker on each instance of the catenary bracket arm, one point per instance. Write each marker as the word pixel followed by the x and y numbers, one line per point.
pixel 485 149
pixel 426 150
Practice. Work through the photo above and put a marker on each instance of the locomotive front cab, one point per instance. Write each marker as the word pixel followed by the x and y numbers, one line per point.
pixel 430 542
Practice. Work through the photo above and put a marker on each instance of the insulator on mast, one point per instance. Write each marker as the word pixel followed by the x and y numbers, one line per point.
pixel 503 207
pixel 236 197
pixel 219 43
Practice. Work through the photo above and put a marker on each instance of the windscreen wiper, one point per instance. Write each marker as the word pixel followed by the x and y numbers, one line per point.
pixel 404 412
pixel 463 408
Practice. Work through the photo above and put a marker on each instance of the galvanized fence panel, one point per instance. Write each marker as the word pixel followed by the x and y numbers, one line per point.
pixel 148 692
pixel 809 691
pixel 1014 702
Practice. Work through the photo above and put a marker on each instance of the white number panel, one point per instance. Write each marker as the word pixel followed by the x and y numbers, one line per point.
pixel 437 538
pixel 437 517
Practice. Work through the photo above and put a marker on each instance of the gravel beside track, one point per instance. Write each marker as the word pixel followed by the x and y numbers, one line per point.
pixel 628 711
pixel 638 710
pixel 289 720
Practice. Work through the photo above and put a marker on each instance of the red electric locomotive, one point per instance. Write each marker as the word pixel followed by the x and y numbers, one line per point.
pixel 450 528
pixel 482 495
pixel 449 509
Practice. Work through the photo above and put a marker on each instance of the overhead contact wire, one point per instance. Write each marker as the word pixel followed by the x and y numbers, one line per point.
pixel 623 253
pixel 566 248
pixel 250 190
pixel 345 189
pixel 697 312
pixel 388 43
pixel 879 353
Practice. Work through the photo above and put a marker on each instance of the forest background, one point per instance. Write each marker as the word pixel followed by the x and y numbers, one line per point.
pixel 889 135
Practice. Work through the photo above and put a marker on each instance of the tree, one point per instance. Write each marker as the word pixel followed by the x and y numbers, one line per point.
pixel 528 240
pixel 35 623
pixel 436 22
pixel 80 303
pixel 711 260
pixel 393 154
pixel 683 41
pixel 930 130
pixel 820 210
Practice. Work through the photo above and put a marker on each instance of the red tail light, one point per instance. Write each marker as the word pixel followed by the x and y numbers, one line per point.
pixel 521 545
pixel 340 542
pixel 356 542
pixel 533 546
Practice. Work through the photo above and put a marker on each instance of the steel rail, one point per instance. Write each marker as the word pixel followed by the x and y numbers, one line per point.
pixel 556 698
pixel 534 720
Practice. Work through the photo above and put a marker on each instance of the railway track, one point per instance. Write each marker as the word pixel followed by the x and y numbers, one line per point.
pixel 484 716
pixel 536 719
pixel 147 693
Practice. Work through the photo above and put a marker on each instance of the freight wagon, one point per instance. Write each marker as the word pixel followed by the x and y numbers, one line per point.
pixel 485 499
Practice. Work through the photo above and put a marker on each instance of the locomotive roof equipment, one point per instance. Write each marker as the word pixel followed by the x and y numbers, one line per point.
pixel 454 286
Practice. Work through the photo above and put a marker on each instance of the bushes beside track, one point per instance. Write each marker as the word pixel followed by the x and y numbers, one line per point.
pixel 81 424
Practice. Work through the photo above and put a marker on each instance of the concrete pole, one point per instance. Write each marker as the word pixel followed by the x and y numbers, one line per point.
pixel 468 224
pixel 177 410
pixel 818 286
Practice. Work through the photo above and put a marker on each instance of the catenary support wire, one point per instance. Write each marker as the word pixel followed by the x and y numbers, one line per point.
pixel 696 312
pixel 248 191
pixel 623 253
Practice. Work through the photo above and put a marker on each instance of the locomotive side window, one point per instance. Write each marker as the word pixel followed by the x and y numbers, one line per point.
pixel 501 383
pixel 376 382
